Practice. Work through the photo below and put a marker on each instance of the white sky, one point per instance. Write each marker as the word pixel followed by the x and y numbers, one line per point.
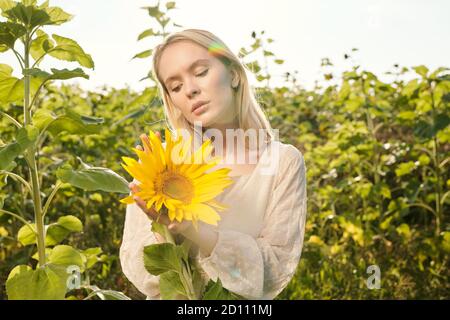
pixel 385 32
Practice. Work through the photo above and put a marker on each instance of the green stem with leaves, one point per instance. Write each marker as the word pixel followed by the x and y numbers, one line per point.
pixel 31 159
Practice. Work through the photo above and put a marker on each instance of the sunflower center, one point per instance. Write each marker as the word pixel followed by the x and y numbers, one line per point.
pixel 177 187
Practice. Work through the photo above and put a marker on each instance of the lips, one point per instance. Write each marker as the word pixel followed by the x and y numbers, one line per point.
pixel 198 105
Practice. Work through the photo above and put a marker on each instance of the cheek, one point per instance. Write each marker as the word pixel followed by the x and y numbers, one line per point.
pixel 180 104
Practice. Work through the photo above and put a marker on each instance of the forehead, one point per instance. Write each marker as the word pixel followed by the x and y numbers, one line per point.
pixel 179 56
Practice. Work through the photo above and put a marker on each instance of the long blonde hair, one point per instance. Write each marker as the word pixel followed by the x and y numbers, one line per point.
pixel 249 112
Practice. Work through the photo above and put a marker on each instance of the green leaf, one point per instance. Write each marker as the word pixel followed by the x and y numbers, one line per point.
pixel 8 153
pixel 28 15
pixel 40 45
pixel 353 104
pixel 66 256
pixel 407 115
pixel 411 87
pixel 26 236
pixel 10 32
pixel 170 5
pixel 421 70
pixel 32 16
pixel 385 191
pixel 171 286
pixel 35 256
pixel 69 50
pixel 153 11
pixel 437 72
pixel 146 33
pixel 143 54
pixel 446 241
pixel 63 74
pixel 26 137
pixel 91 255
pixel 425 130
pixel 57 16
pixel 69 121
pixel 424 159
pixel 404 231
pixel 215 291
pixel 161 257
pixel 71 223
pixel 11 88
pixel 158 228
pixel 45 283
pixel 57 232
pixel 405 168
pixel 253 66
pixel 6 5
pixel 93 178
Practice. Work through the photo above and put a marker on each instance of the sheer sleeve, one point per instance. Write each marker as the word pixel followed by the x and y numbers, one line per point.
pixel 136 235
pixel 261 268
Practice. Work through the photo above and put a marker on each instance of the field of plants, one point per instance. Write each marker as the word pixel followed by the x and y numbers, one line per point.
pixel 377 155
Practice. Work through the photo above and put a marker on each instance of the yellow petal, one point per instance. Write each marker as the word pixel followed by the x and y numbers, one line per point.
pixel 205 213
pixel 127 200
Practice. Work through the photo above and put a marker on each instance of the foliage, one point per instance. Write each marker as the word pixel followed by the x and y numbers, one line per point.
pixel 377 156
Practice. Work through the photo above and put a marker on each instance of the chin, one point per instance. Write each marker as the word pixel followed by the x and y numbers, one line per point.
pixel 205 119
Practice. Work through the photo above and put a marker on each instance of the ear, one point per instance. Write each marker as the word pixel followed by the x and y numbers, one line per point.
pixel 234 78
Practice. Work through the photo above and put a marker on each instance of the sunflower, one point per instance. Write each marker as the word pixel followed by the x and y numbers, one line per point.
pixel 176 180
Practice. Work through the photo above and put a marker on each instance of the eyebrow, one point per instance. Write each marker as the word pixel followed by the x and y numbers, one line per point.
pixel 192 66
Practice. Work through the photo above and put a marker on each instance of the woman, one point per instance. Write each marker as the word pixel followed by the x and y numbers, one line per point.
pixel 257 244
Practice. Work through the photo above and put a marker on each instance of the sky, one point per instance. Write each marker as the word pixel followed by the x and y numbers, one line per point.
pixel 386 32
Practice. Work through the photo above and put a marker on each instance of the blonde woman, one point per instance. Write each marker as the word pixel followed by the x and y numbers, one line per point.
pixel 256 247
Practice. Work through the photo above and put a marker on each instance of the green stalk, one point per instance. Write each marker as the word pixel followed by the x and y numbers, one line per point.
pixel 185 275
pixel 30 156
pixel 436 161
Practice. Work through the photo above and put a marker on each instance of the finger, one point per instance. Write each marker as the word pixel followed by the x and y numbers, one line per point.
pixel 139 147
pixel 151 213
pixel 133 187
pixel 158 134
pixel 173 227
pixel 159 237
pixel 146 142
pixel 141 204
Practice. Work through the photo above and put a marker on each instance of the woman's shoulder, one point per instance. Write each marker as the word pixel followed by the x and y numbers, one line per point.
pixel 287 152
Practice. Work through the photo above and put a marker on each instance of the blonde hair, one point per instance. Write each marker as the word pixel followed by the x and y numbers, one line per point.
pixel 249 112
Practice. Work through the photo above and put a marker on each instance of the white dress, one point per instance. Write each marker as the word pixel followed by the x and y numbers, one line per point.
pixel 260 236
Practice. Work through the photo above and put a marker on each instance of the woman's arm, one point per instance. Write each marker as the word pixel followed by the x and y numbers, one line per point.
pixel 261 268
pixel 136 235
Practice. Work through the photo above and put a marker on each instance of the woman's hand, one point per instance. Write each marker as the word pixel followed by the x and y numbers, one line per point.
pixel 174 227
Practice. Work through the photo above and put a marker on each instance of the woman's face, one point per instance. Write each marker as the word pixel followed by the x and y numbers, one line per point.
pixel 191 74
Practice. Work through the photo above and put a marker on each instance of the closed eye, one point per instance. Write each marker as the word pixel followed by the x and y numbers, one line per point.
pixel 203 73
pixel 176 89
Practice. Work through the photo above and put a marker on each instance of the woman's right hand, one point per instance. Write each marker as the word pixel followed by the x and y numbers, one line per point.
pixel 134 189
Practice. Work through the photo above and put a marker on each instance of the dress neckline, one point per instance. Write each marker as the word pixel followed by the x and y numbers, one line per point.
pixel 238 177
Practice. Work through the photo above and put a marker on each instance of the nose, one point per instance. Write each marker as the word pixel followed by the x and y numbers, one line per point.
pixel 192 90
